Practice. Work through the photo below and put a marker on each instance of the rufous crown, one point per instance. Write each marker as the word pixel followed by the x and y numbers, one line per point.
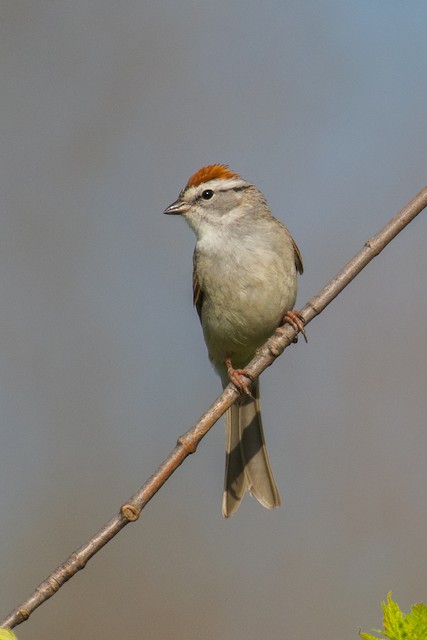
pixel 211 172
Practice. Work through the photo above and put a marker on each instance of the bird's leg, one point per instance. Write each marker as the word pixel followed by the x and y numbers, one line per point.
pixel 240 378
pixel 296 320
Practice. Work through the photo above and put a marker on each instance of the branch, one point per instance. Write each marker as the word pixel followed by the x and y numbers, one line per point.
pixel 188 442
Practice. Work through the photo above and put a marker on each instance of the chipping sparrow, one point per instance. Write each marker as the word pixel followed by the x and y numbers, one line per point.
pixel 245 267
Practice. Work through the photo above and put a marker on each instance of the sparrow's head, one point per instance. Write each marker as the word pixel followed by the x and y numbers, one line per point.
pixel 214 195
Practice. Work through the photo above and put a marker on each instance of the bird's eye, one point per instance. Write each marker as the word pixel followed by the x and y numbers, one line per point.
pixel 207 194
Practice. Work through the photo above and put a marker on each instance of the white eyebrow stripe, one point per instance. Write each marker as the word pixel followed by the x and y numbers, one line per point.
pixel 216 185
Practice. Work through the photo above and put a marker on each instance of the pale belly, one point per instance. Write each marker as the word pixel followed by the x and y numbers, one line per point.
pixel 243 313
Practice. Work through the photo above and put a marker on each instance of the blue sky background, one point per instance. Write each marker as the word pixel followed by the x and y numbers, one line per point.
pixel 106 109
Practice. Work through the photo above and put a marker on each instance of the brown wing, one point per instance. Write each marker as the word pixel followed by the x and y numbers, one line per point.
pixel 298 257
pixel 197 289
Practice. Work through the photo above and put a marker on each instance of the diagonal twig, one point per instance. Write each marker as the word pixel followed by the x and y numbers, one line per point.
pixel 188 442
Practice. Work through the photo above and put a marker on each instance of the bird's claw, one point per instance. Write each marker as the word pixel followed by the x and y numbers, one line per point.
pixel 297 322
pixel 241 379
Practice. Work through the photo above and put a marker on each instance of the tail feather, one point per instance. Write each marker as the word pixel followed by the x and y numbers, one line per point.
pixel 247 466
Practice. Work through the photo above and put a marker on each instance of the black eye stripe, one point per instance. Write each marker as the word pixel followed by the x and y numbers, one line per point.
pixel 208 194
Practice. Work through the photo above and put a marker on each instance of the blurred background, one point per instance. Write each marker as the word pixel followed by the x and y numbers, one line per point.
pixel 106 109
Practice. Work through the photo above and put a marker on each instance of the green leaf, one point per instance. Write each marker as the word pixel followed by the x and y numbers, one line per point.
pixel 7 634
pixel 401 626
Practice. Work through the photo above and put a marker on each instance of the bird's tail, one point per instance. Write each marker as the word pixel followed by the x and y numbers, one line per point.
pixel 247 467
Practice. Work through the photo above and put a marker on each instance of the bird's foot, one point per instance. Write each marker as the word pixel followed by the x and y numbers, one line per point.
pixel 241 379
pixel 296 320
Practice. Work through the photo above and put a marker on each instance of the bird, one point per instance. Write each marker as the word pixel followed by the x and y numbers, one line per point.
pixel 245 267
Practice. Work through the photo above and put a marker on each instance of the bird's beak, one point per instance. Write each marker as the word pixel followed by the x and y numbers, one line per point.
pixel 178 207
